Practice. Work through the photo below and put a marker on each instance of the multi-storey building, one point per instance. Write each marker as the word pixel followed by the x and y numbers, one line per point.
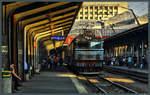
pixel 100 10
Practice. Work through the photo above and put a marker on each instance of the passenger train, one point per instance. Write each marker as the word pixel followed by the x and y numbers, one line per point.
pixel 85 56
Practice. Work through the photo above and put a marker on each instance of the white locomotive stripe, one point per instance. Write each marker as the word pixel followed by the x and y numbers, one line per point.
pixel 78 86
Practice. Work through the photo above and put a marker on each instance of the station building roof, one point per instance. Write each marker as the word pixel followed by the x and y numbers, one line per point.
pixel 135 34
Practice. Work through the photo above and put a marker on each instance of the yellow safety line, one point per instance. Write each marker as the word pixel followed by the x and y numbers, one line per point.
pixel 78 86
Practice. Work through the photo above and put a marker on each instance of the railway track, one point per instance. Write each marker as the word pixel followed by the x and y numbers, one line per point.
pixel 106 86
pixel 137 76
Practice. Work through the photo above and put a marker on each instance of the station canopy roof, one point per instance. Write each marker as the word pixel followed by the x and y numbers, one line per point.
pixel 43 20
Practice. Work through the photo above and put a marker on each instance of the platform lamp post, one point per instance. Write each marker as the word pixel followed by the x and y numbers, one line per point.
pixel 132 13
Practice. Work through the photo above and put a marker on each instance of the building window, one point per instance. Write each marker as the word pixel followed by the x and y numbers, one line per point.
pixel 111 13
pixel 86 17
pixel 116 8
pixel 91 17
pixel 81 17
pixel 106 7
pixel 96 7
pixel 110 7
pixel 106 13
pixel 91 12
pixel 86 12
pixel 91 7
pixel 96 13
pixel 86 7
pixel 101 13
pixel 101 7
pixel 96 18
pixel 81 13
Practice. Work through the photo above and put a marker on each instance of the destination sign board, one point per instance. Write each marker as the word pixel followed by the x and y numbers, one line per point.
pixel 57 38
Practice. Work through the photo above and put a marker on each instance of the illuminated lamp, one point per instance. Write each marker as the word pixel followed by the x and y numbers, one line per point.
pixel 35 44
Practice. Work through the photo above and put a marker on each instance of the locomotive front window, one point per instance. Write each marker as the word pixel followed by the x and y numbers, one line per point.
pixel 90 45
pixel 95 45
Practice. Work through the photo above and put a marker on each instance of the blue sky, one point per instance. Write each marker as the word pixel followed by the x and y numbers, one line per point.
pixel 139 8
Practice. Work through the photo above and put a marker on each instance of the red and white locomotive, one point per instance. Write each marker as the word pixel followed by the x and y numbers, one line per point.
pixel 86 56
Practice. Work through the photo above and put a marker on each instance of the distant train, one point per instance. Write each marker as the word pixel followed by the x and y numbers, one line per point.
pixel 85 56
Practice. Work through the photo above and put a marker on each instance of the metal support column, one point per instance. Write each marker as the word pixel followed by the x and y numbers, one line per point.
pixel 119 54
pixel 137 53
pixel 109 52
pixel 133 49
pixel 142 46
pixel 148 49
pixel 0 42
pixel 6 82
pixel 113 51
pixel 125 52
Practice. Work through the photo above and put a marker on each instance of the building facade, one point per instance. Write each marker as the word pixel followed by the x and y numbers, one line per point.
pixel 100 10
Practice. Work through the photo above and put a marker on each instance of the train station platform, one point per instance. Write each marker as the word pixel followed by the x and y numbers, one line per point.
pixel 129 69
pixel 57 81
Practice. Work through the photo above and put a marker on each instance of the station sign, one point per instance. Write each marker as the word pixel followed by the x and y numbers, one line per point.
pixel 58 38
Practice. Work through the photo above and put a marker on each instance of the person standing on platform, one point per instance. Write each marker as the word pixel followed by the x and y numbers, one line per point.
pixel 135 61
pixel 49 62
pixel 142 62
pixel 60 61
pixel 123 61
pixel 52 62
pixel 26 70
pixel 55 61
pixel 109 60
pixel 129 61
pixel 15 78
pixel 145 62
pixel 25 67
pixel 113 60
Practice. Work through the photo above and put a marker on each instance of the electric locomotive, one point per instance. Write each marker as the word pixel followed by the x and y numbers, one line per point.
pixel 86 56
